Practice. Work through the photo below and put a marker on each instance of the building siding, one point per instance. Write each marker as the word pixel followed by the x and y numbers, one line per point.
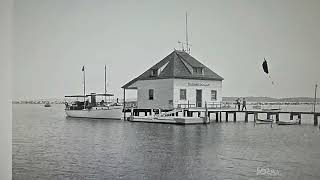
pixel 166 90
pixel 191 86
pixel 163 93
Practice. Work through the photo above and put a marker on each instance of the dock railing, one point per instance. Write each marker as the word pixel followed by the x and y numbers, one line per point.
pixel 214 105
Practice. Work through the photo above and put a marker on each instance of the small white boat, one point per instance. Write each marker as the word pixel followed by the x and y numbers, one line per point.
pixel 264 121
pixel 295 122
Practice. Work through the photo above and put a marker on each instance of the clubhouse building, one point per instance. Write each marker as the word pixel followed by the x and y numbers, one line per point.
pixel 178 80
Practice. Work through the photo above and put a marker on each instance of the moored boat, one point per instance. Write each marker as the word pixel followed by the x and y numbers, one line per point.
pixel 296 122
pixel 93 109
pixel 47 104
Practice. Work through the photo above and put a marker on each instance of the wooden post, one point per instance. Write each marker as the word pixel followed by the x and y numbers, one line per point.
pixel 234 117
pixel 184 113
pixel 277 117
pixel 291 116
pixel 315 122
pixel 206 114
pixel 217 117
pixel 227 117
pixel 315 99
pixel 246 117
pixel 268 115
pixel 131 114
pixel 124 103
pixel 220 116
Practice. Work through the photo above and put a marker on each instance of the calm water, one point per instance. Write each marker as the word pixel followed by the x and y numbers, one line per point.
pixel 47 145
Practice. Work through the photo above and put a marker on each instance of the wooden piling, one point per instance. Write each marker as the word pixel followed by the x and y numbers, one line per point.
pixel 315 119
pixel 234 117
pixel 217 117
pixel 246 117
pixel 268 115
pixel 277 117
pixel 227 117
pixel 220 116
pixel 291 116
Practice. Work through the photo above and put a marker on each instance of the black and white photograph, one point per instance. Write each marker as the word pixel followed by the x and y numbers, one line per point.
pixel 168 90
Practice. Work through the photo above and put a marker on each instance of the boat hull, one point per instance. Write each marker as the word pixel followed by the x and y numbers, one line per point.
pixel 96 113
pixel 297 122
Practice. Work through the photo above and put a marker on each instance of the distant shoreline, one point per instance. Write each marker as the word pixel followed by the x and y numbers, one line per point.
pixel 227 100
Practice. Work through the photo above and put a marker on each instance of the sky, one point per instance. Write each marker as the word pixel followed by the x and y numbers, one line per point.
pixel 53 39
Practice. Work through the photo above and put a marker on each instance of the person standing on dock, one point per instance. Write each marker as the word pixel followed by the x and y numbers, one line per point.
pixel 238 103
pixel 244 104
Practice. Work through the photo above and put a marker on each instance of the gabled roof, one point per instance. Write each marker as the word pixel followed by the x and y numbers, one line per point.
pixel 178 66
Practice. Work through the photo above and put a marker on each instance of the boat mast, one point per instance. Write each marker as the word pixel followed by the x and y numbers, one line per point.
pixel 105 82
pixel 315 98
pixel 84 88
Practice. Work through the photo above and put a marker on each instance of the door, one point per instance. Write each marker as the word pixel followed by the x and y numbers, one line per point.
pixel 198 98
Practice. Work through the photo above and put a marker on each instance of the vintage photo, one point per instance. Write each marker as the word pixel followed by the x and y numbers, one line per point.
pixel 222 89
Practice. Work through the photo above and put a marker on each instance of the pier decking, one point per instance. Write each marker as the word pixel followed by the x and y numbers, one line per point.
pixel 202 115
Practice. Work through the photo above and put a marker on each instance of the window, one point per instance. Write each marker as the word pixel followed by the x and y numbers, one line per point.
pixel 183 94
pixel 213 95
pixel 197 70
pixel 151 94
pixel 154 73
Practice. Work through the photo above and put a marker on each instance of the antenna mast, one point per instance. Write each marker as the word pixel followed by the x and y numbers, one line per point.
pixel 188 50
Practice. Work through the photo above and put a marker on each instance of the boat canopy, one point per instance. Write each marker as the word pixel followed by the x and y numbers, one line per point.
pixel 88 95
pixel 76 96
pixel 101 95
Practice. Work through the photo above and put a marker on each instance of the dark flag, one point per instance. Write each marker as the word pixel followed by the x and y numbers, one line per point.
pixel 82 68
pixel 266 69
pixel 265 66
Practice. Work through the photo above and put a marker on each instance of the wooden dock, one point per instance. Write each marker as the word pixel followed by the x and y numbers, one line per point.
pixel 191 113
